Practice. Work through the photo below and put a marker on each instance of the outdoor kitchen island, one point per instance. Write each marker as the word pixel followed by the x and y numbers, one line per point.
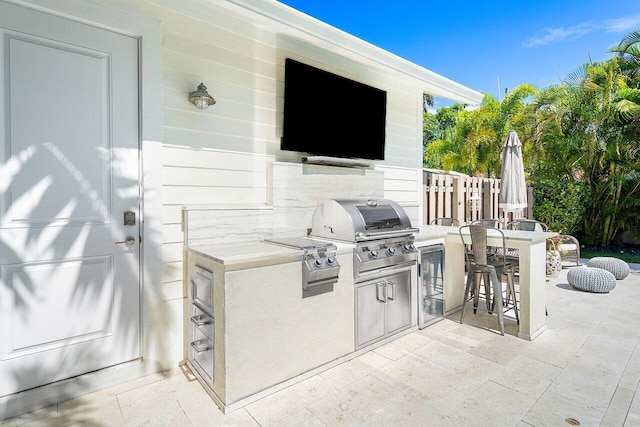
pixel 265 313
pixel 264 336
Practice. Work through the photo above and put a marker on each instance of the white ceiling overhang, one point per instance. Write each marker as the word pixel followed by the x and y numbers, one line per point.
pixel 433 83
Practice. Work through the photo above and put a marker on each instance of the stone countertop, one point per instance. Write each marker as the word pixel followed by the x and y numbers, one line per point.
pixel 258 253
pixel 252 254
pixel 431 232
pixel 428 232
pixel 511 236
pixel 242 255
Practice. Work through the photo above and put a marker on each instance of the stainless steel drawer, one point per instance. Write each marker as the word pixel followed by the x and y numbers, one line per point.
pixel 202 322
pixel 202 354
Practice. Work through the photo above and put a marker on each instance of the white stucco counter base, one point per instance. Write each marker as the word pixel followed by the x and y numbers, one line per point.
pixel 265 332
pixel 532 276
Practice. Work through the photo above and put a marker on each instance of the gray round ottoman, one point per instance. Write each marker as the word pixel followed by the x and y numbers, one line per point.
pixel 591 279
pixel 615 266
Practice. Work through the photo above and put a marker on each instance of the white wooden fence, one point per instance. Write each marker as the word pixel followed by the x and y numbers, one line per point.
pixel 466 198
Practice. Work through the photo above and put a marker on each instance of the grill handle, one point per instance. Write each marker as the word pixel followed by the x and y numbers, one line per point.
pixel 382 234
pixel 372 274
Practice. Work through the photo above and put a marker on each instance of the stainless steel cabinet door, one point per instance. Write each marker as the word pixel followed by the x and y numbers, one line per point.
pixel 202 288
pixel 398 305
pixel 370 317
pixel 431 285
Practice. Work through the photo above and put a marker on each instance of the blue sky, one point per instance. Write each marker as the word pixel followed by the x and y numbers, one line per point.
pixel 486 45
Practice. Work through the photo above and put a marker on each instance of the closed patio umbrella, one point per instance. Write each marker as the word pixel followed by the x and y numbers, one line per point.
pixel 513 189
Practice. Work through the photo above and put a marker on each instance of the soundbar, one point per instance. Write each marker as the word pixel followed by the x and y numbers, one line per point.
pixel 335 161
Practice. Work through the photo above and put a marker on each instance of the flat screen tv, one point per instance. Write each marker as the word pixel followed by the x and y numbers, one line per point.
pixel 330 115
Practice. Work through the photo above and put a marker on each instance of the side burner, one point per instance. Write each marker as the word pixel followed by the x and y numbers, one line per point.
pixel 320 268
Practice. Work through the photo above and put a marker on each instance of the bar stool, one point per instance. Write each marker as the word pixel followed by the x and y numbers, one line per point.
pixel 527 225
pixel 488 268
pixel 487 222
pixel 449 222
pixel 522 224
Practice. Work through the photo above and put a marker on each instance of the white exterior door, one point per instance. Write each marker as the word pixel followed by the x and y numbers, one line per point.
pixel 69 170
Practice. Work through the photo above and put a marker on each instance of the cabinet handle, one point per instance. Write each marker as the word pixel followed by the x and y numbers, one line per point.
pixel 193 289
pixel 201 320
pixel 392 287
pixel 197 348
pixel 380 288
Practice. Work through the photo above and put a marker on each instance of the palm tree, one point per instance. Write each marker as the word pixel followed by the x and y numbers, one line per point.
pixel 437 135
pixel 481 133
pixel 427 101
pixel 579 125
pixel 628 51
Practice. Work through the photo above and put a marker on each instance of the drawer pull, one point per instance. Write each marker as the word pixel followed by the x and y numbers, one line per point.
pixel 201 320
pixel 197 348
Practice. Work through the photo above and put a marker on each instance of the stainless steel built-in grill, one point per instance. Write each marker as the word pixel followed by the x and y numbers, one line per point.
pixel 359 220
pixel 380 228
pixel 384 261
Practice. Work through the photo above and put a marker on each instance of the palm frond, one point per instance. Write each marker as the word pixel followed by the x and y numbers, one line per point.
pixel 627 41
pixel 577 76
pixel 627 107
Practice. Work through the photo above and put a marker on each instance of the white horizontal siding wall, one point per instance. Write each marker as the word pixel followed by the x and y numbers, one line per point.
pixel 240 57
pixel 242 64
pixel 202 43
pixel 204 177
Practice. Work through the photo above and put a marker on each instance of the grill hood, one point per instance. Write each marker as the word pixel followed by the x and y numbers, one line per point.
pixel 358 220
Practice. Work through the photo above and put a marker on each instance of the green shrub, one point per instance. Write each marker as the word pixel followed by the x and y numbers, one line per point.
pixel 560 205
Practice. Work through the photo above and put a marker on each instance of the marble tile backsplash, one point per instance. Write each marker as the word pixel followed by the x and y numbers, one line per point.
pixel 295 189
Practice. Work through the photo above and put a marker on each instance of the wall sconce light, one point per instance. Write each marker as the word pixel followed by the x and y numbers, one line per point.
pixel 201 98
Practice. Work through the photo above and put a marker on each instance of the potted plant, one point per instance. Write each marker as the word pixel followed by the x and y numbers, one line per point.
pixel 554 258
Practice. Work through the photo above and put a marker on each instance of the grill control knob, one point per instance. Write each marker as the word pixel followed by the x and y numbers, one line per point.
pixel 318 262
pixel 373 254
pixel 331 260
pixel 391 251
pixel 409 248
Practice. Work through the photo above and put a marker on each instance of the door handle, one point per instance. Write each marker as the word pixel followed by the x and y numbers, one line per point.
pixel 128 242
